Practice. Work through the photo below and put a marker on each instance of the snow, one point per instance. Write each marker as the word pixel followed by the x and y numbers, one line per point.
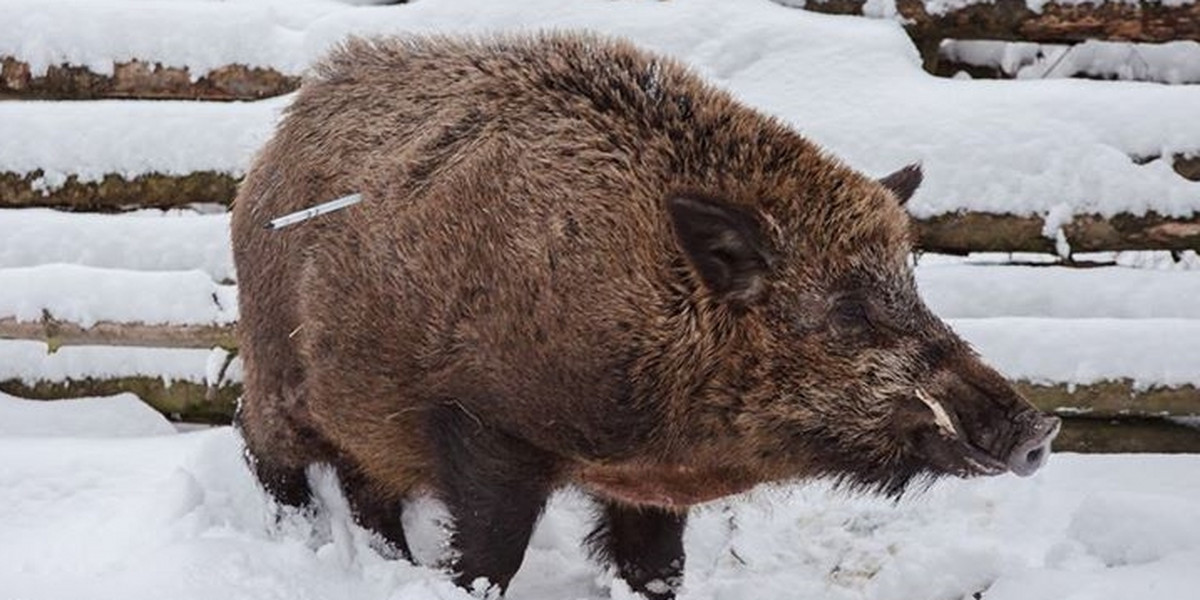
pixel 31 362
pixel 180 516
pixel 1019 147
pixel 961 290
pixel 87 295
pixel 1176 526
pixel 145 240
pixel 123 415
pixel 131 138
pixel 1150 352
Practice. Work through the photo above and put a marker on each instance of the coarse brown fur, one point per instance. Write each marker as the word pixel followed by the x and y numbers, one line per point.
pixel 577 263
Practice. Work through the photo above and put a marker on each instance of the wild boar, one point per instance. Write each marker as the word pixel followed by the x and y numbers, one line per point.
pixel 576 263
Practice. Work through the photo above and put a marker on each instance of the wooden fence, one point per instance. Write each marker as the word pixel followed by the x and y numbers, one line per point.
pixel 1107 416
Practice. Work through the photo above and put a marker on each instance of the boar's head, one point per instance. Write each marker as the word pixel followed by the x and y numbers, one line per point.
pixel 853 377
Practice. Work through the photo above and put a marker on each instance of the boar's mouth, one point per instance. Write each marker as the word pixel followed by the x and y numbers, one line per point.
pixel 950 448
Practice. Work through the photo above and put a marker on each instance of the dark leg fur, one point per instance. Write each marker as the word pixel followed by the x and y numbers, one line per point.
pixel 289 486
pixel 285 482
pixel 646 546
pixel 374 510
pixel 495 487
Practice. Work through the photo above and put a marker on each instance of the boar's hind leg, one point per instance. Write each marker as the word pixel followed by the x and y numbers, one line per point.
pixel 495 486
pixel 375 510
pixel 277 451
pixel 646 546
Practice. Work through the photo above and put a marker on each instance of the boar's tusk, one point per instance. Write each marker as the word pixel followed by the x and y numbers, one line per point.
pixel 940 417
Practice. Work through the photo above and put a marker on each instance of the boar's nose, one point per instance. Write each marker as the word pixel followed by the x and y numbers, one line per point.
pixel 1030 453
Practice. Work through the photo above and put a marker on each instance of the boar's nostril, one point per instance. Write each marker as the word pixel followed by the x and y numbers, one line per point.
pixel 1031 454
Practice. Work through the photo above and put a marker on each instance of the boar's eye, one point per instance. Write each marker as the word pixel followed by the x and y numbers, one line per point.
pixel 852 315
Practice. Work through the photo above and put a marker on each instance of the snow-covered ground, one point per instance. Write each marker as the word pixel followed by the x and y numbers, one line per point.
pixel 854 85
pixel 109 507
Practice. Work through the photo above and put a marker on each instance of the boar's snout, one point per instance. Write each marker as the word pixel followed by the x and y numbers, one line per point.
pixel 983 426
pixel 1032 449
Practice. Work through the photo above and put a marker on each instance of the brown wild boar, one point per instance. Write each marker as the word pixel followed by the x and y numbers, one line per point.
pixel 576 263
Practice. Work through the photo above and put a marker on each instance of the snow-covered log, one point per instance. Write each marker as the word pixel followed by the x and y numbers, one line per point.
pixel 1174 63
pixel 194 385
pixel 931 21
pixel 142 79
pixel 275 72
pixel 58 333
pixel 182 401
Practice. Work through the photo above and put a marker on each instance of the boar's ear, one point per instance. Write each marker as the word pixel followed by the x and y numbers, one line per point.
pixel 724 243
pixel 904 182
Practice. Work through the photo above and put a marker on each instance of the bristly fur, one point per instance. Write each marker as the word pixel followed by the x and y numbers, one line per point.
pixel 576 263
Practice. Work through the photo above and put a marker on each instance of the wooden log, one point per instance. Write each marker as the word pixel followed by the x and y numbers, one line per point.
pixel 182 401
pixel 1125 435
pixel 962 233
pixel 59 333
pixel 141 80
pixel 1188 167
pixel 115 192
pixel 1118 398
pixel 1143 21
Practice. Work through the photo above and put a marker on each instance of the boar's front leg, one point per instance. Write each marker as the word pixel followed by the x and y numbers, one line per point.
pixel 646 546
pixel 495 487
pixel 375 509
